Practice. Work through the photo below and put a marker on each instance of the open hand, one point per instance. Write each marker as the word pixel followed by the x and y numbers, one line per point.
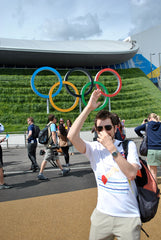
pixel 93 104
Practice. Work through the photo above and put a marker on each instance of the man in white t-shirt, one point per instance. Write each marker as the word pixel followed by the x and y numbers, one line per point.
pixel 116 214
pixel 51 153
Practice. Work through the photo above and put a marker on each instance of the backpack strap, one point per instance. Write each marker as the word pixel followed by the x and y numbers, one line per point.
pixel 49 132
pixel 125 146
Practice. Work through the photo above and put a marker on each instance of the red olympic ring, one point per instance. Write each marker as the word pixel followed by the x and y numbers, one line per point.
pixel 118 79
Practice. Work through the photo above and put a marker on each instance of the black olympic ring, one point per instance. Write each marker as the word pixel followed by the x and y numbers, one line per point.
pixel 87 74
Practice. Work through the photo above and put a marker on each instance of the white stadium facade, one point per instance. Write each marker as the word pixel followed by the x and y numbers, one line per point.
pixel 142 50
pixel 65 54
pixel 148 58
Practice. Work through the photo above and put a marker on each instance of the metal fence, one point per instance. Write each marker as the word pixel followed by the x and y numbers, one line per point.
pixel 18 139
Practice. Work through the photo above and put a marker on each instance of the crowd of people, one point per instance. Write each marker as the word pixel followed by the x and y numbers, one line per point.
pixel 117 212
pixel 57 136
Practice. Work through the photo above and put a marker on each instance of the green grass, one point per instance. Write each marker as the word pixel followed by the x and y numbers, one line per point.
pixel 137 98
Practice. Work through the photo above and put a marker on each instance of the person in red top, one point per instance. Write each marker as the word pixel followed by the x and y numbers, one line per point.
pixel 120 135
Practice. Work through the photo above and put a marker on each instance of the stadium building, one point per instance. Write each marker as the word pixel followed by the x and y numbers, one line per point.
pixel 148 58
pixel 142 50
pixel 65 54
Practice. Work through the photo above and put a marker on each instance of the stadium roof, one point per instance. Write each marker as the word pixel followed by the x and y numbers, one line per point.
pixel 89 53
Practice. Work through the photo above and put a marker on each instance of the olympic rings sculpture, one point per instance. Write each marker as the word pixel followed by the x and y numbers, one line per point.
pixel 76 94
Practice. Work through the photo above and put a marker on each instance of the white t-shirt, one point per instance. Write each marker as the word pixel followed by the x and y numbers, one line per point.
pixel 116 194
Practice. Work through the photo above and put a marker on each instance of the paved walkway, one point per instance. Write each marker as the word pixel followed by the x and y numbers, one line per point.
pixel 58 209
pixel 25 182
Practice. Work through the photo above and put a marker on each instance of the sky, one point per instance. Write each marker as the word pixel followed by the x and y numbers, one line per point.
pixel 59 20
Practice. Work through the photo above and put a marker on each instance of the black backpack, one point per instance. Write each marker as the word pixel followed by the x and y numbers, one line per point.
pixel 148 191
pixel 36 131
pixel 143 149
pixel 44 135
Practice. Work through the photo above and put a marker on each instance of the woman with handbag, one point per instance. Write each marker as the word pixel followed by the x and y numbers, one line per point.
pixel 63 143
pixel 153 142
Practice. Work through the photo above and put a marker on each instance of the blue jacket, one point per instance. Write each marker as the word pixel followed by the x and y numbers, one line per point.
pixel 153 134
pixel 31 139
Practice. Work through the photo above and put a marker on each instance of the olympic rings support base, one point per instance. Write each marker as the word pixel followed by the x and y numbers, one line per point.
pixel 76 94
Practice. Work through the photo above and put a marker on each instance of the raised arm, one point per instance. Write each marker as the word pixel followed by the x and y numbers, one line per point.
pixel 139 129
pixel 74 133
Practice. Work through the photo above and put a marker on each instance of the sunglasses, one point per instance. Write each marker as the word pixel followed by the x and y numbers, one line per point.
pixel 107 127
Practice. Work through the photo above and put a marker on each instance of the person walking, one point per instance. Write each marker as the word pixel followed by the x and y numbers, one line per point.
pixel 32 144
pixel 117 212
pixel 3 185
pixel 51 153
pixel 63 143
pixel 68 126
pixel 153 132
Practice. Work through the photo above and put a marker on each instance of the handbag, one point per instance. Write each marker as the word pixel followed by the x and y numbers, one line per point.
pixel 143 150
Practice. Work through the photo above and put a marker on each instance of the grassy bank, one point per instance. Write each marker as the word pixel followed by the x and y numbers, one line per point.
pixel 137 98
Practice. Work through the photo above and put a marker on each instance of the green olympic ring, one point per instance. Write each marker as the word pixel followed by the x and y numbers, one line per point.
pixel 106 98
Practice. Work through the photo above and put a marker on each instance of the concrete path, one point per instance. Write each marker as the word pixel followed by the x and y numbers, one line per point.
pixel 58 209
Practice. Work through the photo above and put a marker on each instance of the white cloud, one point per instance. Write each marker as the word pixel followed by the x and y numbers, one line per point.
pixel 145 14
pixel 138 2
pixel 81 27
pixel 74 19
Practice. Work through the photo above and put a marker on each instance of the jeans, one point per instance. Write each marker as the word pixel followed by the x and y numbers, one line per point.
pixel 32 154
pixel 65 151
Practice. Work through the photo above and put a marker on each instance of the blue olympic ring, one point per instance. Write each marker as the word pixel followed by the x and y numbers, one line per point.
pixel 52 70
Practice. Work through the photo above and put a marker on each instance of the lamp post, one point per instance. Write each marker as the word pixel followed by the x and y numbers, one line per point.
pixel 151 54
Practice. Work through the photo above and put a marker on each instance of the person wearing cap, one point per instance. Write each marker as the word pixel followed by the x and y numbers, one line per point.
pixel 61 121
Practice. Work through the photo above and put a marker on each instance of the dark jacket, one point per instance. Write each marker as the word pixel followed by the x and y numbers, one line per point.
pixel 119 135
pixel 153 134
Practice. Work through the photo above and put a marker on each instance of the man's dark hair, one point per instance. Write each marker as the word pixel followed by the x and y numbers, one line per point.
pixel 51 117
pixel 104 114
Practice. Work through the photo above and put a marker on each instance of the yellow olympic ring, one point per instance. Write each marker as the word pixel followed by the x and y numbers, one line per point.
pixel 60 109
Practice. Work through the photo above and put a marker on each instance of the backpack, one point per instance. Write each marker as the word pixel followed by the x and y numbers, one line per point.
pixel 143 149
pixel 36 131
pixel 44 135
pixel 148 191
